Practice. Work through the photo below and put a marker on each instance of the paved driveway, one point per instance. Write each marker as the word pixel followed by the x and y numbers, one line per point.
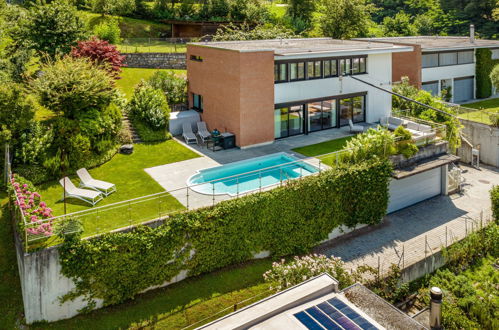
pixel 421 228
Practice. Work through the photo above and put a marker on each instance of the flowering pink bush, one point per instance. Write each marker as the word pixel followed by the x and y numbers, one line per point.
pixel 301 269
pixel 34 210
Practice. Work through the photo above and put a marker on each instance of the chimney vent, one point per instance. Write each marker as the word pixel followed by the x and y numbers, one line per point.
pixel 472 33
pixel 435 308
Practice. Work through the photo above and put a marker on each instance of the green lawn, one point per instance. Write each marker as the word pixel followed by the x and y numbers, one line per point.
pixel 181 304
pixel 491 106
pixel 324 148
pixel 127 172
pixel 130 77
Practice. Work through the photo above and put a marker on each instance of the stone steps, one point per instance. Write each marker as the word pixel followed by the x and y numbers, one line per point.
pixel 128 124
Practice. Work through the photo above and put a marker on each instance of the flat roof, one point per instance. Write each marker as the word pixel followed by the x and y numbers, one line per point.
pixel 434 43
pixel 300 46
pixel 282 310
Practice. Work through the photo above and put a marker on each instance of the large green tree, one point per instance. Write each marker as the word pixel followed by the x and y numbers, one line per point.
pixel 399 25
pixel 51 29
pixel 301 11
pixel 17 110
pixel 494 77
pixel 114 7
pixel 344 19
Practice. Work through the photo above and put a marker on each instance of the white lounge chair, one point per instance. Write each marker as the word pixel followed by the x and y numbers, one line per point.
pixel 89 196
pixel 86 181
pixel 355 128
pixel 187 133
pixel 203 132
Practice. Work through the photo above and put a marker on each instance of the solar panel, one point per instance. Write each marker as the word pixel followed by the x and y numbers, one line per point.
pixel 307 321
pixel 351 314
pixel 323 319
pixel 333 313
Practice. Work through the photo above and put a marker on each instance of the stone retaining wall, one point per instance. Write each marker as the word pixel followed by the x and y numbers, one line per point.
pixel 481 136
pixel 155 60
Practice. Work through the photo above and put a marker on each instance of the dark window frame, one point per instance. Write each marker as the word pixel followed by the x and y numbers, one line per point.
pixel 297 65
pixel 449 51
pixel 196 58
pixel 200 106
pixel 279 71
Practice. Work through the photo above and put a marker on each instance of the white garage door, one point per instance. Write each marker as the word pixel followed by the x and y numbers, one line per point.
pixel 463 89
pixel 414 189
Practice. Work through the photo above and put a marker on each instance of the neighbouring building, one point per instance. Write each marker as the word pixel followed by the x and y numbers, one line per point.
pixel 440 63
pixel 271 89
pixel 319 304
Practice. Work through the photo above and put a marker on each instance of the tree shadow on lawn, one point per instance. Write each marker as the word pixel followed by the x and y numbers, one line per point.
pixel 155 306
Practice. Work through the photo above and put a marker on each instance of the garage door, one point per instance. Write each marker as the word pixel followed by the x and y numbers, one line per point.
pixel 414 189
pixel 463 89
pixel 431 86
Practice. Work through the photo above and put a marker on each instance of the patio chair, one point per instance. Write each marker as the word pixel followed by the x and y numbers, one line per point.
pixel 86 181
pixel 89 196
pixel 187 133
pixel 355 128
pixel 203 132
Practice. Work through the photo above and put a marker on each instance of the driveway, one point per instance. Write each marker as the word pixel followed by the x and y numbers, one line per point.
pixel 408 235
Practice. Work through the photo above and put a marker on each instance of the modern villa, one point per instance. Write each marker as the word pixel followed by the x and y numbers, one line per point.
pixel 272 89
pixel 438 62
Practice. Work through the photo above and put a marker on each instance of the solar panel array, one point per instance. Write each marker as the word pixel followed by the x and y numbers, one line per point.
pixel 333 314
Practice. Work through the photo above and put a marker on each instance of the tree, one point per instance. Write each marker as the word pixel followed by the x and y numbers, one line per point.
pixel 245 32
pixel 17 110
pixel 173 86
pixel 400 25
pixel 101 53
pixel 494 77
pixel 51 29
pixel 301 11
pixel 344 19
pixel 114 7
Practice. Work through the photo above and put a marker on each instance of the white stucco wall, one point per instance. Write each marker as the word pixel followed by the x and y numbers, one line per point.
pixel 378 103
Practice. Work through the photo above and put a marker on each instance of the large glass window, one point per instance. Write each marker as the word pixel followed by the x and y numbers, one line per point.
pixel 430 60
pixel 297 71
pixel 447 59
pixel 314 69
pixel 358 109
pixel 288 121
pixel 328 114
pixel 465 57
pixel 296 120
pixel 330 68
pixel 352 109
pixel 281 122
pixel 280 72
pixel 345 66
pixel 321 115
pixel 362 65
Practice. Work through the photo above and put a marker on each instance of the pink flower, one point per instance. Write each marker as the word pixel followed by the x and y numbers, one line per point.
pixel 25 185
pixel 43 204
pixel 33 218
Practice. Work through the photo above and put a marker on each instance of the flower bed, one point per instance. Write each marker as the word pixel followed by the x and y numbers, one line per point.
pixel 32 208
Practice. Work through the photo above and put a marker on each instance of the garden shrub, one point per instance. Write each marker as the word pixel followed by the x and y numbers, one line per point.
pixel 494 198
pixel 286 274
pixel 484 66
pixel 150 113
pixel 287 220
pixel 174 87
pixel 108 30
pixel 101 53
pixel 404 143
pixel 375 143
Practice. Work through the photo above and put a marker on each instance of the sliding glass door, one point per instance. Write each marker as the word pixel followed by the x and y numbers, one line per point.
pixel 321 115
pixel 288 121
pixel 352 109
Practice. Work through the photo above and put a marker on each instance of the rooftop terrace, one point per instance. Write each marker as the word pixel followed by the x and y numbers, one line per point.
pixel 303 46
pixel 438 42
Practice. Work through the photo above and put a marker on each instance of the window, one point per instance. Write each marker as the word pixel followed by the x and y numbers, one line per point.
pixel 296 71
pixel 197 102
pixel 465 57
pixel 314 70
pixel 430 60
pixel 362 64
pixel 447 59
pixel 495 54
pixel 330 68
pixel 196 58
pixel 280 72
pixel 345 66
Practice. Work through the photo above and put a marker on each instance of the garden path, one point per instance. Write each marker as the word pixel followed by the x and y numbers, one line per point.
pixel 421 229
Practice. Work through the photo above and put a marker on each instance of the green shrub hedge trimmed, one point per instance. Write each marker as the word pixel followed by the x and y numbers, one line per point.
pixel 494 198
pixel 287 220
pixel 484 66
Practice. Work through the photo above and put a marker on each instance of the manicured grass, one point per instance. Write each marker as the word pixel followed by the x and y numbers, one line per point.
pixel 181 304
pixel 10 289
pixel 127 172
pixel 491 106
pixel 324 148
pixel 131 77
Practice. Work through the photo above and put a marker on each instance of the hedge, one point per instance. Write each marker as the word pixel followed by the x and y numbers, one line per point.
pixel 494 198
pixel 484 66
pixel 287 220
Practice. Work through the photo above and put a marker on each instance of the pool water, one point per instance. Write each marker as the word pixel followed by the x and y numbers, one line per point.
pixel 234 179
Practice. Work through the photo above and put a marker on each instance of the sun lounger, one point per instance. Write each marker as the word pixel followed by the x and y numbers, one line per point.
pixel 86 181
pixel 71 191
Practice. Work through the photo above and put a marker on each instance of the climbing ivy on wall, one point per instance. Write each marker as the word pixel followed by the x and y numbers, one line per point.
pixel 484 66
pixel 286 220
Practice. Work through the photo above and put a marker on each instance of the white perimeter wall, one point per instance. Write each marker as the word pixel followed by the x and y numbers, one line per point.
pixel 378 103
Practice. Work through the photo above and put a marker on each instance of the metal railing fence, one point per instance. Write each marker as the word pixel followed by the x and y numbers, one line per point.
pixel 154 45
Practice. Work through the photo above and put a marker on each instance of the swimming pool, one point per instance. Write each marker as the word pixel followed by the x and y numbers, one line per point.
pixel 234 179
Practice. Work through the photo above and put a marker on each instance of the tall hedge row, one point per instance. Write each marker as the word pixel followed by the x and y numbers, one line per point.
pixel 484 66
pixel 286 220
pixel 494 198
